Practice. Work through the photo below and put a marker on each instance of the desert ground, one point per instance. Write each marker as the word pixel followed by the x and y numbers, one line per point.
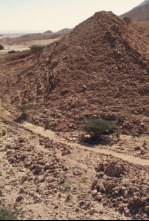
pixel 21 46
pixel 47 169
pixel 9 36
pixel 46 176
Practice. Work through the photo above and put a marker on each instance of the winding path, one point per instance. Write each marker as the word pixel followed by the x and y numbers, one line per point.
pixel 52 136
pixel 57 139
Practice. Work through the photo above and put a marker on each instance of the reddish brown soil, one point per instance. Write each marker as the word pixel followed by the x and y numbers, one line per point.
pixel 46 177
pixel 99 69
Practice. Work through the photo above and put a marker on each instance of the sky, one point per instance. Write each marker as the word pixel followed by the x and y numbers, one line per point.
pixel 24 16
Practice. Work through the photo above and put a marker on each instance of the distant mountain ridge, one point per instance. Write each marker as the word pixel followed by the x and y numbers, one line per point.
pixel 61 32
pixel 143 3
pixel 64 31
pixel 35 37
pixel 140 12
pixel 48 32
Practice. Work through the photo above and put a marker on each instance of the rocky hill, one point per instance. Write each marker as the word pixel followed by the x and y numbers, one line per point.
pixel 48 32
pixel 100 69
pixel 139 13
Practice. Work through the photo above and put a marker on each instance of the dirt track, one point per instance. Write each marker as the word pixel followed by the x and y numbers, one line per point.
pixel 98 70
pixel 25 146
pixel 40 131
pixel 52 136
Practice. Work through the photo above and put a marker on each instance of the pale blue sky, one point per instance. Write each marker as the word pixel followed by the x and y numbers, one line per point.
pixel 42 15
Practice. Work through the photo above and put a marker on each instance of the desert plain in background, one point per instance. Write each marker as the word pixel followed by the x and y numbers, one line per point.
pixel 50 168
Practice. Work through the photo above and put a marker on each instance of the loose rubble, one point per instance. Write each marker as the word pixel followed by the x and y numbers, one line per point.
pixel 100 69
pixel 95 71
pixel 117 188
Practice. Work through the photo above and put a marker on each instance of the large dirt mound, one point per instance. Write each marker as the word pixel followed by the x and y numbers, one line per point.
pixel 99 69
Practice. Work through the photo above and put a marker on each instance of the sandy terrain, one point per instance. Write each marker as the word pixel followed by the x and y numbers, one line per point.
pixel 24 45
pixel 18 42
pixel 47 170
pixel 9 36
pixel 48 177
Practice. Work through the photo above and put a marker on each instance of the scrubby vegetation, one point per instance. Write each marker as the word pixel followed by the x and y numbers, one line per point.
pixel 3 133
pixel 8 214
pixel 23 112
pixel 25 108
pixel 1 47
pixel 37 48
pixel 127 20
pixel 12 52
pixel 98 127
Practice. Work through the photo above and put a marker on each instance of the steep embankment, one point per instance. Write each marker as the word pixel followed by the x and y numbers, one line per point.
pixel 99 69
